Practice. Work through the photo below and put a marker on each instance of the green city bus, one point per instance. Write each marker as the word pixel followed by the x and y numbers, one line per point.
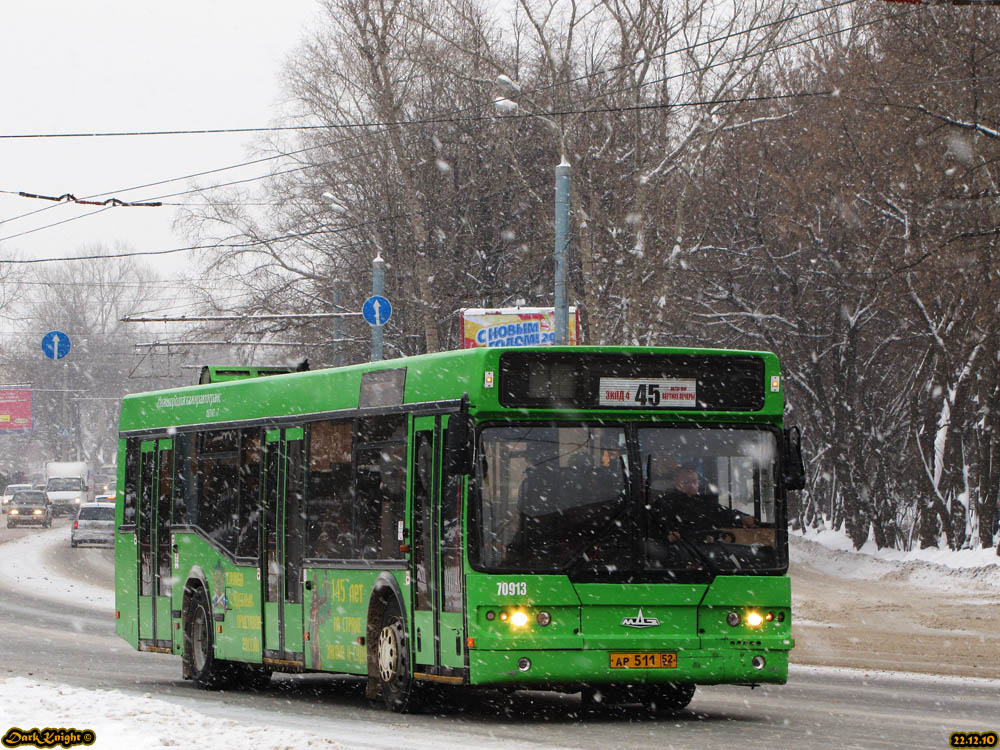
pixel 486 517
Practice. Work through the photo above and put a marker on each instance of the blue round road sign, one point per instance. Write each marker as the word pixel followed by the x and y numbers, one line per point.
pixel 55 344
pixel 376 310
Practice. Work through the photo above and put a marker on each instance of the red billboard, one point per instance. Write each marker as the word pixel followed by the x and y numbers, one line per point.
pixel 15 407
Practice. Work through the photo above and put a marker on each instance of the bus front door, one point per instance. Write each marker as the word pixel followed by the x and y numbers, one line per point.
pixel 436 559
pixel 155 494
pixel 281 554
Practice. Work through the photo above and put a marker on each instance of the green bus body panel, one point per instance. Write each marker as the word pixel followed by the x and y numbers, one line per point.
pixel 430 377
pixel 562 668
pixel 329 627
pixel 423 637
pixel 452 637
pixel 234 592
pixel 336 611
pixel 587 626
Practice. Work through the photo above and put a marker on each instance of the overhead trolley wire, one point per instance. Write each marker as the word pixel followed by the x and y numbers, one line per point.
pixel 439 119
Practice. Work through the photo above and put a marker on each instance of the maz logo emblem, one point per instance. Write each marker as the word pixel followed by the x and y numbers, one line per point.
pixel 640 621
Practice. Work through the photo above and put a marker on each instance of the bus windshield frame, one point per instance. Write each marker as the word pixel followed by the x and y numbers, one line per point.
pixel 597 501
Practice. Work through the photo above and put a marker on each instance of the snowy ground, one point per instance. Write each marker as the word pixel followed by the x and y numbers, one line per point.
pixel 829 585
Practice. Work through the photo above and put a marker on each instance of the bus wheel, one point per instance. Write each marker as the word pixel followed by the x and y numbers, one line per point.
pixel 393 660
pixel 207 672
pixel 668 697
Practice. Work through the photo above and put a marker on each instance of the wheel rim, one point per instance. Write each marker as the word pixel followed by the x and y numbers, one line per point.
pixel 199 639
pixel 388 653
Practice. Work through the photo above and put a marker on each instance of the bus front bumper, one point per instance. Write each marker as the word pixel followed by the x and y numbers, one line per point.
pixel 566 668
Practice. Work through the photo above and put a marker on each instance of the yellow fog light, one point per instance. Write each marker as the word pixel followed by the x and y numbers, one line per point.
pixel 519 619
pixel 754 619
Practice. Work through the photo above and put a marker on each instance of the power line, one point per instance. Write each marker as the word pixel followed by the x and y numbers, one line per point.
pixel 249 318
pixel 475 107
pixel 441 119
pixel 338 126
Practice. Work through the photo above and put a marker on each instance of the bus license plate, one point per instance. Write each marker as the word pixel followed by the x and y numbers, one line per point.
pixel 644 660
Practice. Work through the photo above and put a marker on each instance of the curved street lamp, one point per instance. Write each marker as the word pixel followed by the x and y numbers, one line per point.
pixel 508 105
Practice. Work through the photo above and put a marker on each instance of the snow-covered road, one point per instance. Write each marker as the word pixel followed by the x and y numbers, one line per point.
pixel 125 718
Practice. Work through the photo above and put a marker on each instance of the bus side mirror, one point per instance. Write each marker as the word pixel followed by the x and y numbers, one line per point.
pixel 793 469
pixel 458 457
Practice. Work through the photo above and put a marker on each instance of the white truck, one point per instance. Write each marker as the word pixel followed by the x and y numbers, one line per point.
pixel 67 485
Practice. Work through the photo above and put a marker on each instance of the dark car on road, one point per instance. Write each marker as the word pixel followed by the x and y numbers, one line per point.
pixel 29 508
pixel 94 524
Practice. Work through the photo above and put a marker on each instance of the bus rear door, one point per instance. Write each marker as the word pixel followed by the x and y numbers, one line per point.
pixel 155 486
pixel 281 555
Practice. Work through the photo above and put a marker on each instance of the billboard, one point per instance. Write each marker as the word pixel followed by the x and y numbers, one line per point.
pixel 15 407
pixel 515 326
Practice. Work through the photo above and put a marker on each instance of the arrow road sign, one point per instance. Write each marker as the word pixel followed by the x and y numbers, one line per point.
pixel 55 344
pixel 376 310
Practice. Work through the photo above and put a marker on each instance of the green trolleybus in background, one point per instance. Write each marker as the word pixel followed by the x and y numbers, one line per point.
pixel 492 517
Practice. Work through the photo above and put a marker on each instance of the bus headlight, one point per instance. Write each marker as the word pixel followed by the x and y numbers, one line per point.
pixel 754 619
pixel 518 619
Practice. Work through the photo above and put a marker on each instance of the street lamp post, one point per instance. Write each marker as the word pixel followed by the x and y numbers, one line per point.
pixel 338 324
pixel 563 173
pixel 562 247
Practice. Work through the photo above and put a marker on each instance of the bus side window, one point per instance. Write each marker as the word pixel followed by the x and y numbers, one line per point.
pixel 327 506
pixel 131 477
pixel 380 483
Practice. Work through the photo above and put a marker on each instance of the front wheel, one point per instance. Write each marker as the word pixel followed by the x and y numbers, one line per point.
pixel 392 654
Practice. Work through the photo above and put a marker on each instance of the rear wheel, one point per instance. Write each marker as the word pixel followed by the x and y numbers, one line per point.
pixel 199 644
pixel 393 662
pixel 668 697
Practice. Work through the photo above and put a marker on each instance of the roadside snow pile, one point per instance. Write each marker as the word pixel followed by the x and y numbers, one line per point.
pixel 124 722
pixel 832 552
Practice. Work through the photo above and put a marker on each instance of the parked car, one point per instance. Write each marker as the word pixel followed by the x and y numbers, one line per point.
pixel 29 507
pixel 94 524
pixel 9 493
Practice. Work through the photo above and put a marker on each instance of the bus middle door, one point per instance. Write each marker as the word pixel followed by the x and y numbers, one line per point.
pixel 281 554
pixel 156 468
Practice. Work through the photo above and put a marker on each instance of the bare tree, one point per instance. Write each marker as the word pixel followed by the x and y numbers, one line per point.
pixel 80 394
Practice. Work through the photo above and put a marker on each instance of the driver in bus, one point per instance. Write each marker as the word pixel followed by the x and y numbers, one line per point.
pixel 685 507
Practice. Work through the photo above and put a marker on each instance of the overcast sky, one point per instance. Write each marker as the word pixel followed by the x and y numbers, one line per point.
pixel 127 65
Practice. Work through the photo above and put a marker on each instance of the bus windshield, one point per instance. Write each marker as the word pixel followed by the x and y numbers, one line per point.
pixel 571 499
